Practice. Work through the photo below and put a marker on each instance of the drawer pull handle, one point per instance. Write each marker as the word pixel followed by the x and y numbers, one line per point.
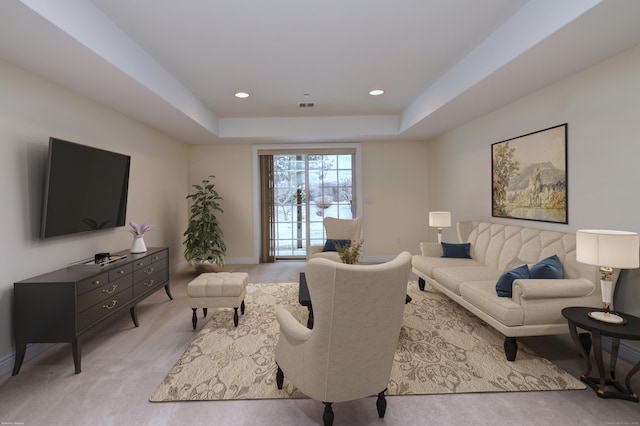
pixel 96 282
pixel 140 263
pixel 110 289
pixel 148 270
pixel 156 257
pixel 121 272
pixel 110 305
pixel 149 283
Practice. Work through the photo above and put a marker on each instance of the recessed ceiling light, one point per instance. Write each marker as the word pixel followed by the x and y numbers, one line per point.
pixel 242 95
pixel 376 92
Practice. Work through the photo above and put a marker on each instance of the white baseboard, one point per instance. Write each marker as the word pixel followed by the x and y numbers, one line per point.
pixel 625 351
pixel 33 349
pixel 241 261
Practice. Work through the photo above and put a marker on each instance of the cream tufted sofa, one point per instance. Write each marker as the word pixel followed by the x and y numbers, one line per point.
pixel 536 304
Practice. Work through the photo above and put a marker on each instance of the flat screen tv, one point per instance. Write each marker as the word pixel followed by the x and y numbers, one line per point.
pixel 85 189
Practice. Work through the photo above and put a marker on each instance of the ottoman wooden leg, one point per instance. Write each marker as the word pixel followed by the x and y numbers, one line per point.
pixel 242 307
pixel 235 317
pixel 204 311
pixel 194 318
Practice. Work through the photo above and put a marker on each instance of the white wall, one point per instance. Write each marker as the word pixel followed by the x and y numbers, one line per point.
pixel 394 196
pixel 32 110
pixel 233 170
pixel 602 108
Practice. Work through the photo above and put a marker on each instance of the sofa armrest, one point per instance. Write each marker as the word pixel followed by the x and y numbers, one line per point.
pixel 291 328
pixel 533 289
pixel 431 249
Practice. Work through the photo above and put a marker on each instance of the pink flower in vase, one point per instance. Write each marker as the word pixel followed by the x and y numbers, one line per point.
pixel 139 230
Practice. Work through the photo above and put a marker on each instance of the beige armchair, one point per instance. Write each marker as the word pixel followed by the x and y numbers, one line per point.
pixel 348 354
pixel 336 229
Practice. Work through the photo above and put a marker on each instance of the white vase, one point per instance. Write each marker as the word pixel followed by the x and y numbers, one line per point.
pixel 138 245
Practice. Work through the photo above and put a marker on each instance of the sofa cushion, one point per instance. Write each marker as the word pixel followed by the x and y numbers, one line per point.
pixel 547 269
pixel 504 285
pixel 426 265
pixel 456 250
pixel 482 295
pixel 330 244
pixel 452 276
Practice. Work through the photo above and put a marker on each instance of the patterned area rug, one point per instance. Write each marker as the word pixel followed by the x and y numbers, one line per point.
pixel 442 349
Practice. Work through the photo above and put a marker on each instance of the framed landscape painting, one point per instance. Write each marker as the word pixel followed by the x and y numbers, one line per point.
pixel 529 176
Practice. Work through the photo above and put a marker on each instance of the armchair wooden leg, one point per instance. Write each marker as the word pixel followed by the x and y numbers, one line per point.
pixel 381 404
pixel 421 283
pixel 279 377
pixel 194 318
pixel 327 416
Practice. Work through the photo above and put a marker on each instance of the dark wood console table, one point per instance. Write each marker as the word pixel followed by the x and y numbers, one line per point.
pixel 69 304
pixel 630 330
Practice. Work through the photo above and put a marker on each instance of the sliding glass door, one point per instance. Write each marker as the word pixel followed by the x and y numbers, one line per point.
pixel 307 187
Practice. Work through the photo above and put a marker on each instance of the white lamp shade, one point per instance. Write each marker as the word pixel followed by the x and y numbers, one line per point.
pixel 615 249
pixel 440 219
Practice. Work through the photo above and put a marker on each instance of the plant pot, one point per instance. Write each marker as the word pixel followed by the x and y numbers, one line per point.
pixel 204 266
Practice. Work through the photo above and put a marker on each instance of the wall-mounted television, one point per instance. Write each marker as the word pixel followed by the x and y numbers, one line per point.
pixel 86 189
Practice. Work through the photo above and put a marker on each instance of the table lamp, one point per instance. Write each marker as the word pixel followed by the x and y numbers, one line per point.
pixel 608 250
pixel 439 220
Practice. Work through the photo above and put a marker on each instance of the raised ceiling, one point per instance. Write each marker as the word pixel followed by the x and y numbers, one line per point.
pixel 176 65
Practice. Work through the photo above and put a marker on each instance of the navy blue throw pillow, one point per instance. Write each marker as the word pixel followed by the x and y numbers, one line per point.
pixel 547 269
pixel 330 245
pixel 462 251
pixel 504 286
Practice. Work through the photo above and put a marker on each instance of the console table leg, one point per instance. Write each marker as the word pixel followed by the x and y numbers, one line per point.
pixel 134 315
pixel 597 352
pixel 615 346
pixel 21 349
pixel 634 370
pixel 579 341
pixel 76 347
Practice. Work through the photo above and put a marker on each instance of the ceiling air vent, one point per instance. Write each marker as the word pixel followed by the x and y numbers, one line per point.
pixel 306 104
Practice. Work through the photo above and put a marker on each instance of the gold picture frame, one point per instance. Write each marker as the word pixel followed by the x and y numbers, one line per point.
pixel 529 176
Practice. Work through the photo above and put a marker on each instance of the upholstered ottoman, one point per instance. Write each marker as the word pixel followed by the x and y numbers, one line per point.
pixel 218 290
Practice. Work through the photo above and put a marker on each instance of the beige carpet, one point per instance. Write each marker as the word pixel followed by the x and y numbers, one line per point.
pixel 442 349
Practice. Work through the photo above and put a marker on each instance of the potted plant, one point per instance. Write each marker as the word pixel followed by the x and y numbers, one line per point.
pixel 204 245
pixel 349 253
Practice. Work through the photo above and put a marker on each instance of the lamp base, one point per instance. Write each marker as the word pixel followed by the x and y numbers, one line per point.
pixel 606 317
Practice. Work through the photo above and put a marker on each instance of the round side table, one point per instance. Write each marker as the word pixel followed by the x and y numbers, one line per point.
pixel 628 330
